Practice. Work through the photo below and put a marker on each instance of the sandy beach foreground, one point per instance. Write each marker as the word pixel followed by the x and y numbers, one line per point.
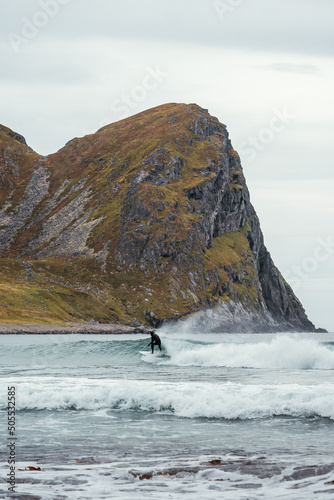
pixel 74 328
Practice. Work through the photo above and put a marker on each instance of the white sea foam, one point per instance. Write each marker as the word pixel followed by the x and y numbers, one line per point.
pixel 280 352
pixel 184 399
pixel 184 477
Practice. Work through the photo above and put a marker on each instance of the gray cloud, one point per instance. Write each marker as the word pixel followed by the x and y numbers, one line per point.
pixel 301 26
pixel 42 68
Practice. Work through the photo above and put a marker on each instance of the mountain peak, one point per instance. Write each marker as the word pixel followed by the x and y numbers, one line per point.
pixel 165 118
pixel 147 220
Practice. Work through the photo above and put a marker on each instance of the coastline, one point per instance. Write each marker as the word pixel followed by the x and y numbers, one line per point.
pixel 75 328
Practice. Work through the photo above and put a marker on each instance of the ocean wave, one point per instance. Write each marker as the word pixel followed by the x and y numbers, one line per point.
pixel 232 351
pixel 184 399
pixel 284 352
pixel 68 350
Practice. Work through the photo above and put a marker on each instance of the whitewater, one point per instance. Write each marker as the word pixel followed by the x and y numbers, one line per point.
pixel 233 416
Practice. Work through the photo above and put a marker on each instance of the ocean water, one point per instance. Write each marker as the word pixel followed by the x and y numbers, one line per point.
pixel 215 416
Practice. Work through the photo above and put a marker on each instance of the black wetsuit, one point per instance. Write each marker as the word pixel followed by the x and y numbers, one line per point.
pixel 155 340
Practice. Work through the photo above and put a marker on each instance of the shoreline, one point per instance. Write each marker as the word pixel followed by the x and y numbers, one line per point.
pixel 76 328
pixel 103 329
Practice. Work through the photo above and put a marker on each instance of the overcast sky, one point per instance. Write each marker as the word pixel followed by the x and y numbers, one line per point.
pixel 263 67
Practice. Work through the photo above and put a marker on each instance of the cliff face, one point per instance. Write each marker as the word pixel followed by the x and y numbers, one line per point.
pixel 145 221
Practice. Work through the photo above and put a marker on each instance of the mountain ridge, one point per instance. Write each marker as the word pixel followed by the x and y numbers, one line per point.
pixel 147 220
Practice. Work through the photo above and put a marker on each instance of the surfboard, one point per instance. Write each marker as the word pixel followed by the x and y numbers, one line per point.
pixel 148 353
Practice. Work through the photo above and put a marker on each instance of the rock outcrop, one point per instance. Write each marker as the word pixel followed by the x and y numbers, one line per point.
pixel 150 218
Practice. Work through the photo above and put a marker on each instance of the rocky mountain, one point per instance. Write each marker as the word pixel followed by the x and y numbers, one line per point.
pixel 147 220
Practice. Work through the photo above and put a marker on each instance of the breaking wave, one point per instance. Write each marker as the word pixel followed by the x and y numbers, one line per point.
pixel 281 352
pixel 285 351
pixel 183 399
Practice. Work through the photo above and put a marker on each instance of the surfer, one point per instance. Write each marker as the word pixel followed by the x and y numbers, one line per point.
pixel 155 340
